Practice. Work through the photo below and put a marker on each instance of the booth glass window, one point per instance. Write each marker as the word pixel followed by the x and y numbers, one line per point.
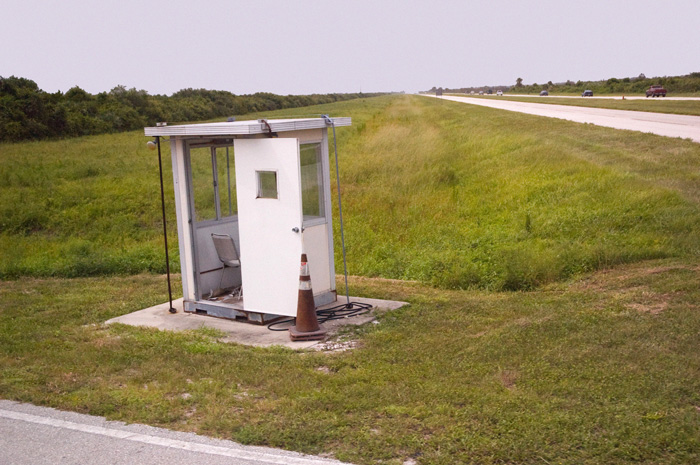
pixel 267 184
pixel 203 190
pixel 312 188
pixel 227 181
pixel 213 182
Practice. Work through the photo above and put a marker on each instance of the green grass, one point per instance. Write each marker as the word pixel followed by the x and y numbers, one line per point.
pixel 85 206
pixel 596 371
pixel 577 367
pixel 655 105
pixel 90 206
pixel 462 196
pixel 435 191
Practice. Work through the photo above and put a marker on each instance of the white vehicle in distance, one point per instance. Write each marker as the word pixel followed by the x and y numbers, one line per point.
pixel 500 92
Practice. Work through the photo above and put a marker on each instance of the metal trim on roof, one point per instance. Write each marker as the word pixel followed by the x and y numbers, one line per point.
pixel 243 127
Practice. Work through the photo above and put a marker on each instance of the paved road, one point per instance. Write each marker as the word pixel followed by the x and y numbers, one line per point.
pixel 42 436
pixel 663 124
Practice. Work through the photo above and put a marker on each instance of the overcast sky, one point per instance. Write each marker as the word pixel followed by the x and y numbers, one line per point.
pixel 303 47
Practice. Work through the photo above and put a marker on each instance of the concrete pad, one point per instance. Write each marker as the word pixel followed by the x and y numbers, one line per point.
pixel 251 334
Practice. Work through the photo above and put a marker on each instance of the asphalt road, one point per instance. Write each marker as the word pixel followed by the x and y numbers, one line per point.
pixel 663 124
pixel 43 436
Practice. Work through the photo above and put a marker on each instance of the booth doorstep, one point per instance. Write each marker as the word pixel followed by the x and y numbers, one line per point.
pixel 247 333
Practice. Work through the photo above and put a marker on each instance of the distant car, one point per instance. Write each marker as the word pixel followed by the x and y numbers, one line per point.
pixel 500 92
pixel 481 92
pixel 544 93
pixel 655 91
pixel 587 93
pixel 472 92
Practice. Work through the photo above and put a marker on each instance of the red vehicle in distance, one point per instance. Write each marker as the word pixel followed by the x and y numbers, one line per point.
pixel 656 91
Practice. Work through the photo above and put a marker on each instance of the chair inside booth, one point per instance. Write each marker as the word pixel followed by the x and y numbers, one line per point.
pixel 212 187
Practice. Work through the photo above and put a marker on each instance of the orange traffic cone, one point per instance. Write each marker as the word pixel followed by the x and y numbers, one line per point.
pixel 306 327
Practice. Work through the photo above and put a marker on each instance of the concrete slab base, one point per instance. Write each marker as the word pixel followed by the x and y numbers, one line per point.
pixel 246 333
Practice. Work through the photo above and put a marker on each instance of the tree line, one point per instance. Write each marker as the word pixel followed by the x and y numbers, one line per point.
pixel 29 113
pixel 687 84
pixel 467 90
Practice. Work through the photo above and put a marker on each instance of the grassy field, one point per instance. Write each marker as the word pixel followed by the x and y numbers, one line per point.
pixel 90 206
pixel 553 318
pixel 656 105
pixel 461 197
pixel 438 192
pixel 596 371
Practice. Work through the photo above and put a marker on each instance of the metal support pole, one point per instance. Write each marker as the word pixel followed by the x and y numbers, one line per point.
pixel 165 228
pixel 228 177
pixel 330 121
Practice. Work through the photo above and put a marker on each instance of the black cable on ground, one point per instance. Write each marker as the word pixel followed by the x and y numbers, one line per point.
pixel 338 312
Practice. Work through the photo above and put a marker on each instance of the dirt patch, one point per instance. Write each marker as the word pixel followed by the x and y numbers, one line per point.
pixel 382 280
pixel 106 341
pixel 524 322
pixel 337 346
pixel 649 287
pixel 661 269
pixel 643 300
pixel 507 378
pixel 654 308
pixel 625 277
pixel 648 301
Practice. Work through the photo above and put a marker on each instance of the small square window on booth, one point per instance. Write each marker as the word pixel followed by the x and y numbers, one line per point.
pixel 267 184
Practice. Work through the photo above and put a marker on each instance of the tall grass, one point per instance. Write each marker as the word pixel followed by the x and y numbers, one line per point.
pixel 80 207
pixel 90 206
pixel 460 196
pixel 448 194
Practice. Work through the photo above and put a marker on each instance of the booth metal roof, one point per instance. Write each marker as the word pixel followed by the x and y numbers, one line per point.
pixel 244 127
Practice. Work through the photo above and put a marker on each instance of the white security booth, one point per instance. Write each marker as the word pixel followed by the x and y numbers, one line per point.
pixel 250 197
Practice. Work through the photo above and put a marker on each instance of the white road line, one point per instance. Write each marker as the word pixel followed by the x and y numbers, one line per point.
pixel 170 443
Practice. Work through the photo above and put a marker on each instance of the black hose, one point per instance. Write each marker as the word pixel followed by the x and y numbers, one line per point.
pixel 338 312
